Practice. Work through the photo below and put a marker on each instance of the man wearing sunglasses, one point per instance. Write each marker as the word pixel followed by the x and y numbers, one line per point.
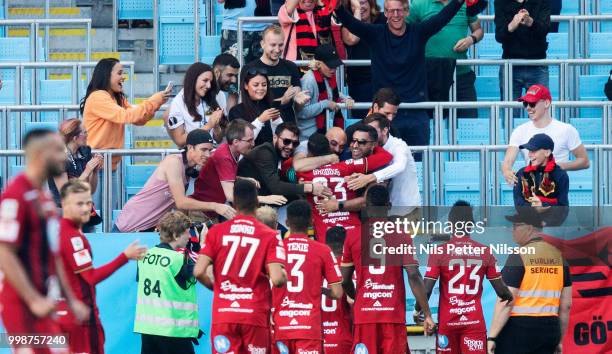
pixel 566 139
pixel 264 161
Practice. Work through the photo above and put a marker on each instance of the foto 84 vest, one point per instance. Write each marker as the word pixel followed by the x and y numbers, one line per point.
pixel 540 291
pixel 163 308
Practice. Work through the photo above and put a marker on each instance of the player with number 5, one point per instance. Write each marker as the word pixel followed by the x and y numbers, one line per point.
pixel 244 253
pixel 461 322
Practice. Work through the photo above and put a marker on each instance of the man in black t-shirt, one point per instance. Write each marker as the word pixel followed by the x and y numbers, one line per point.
pixel 284 75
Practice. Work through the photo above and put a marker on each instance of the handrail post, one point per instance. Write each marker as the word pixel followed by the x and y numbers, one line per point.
pixel 196 29
pixel 483 178
pixel 156 45
pixel 115 27
pixel 74 88
pixel 88 48
pixel 240 39
pixel 107 192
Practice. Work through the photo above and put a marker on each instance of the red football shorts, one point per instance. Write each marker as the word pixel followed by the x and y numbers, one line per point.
pixel 18 319
pixel 335 348
pixel 459 342
pixel 374 338
pixel 239 338
pixel 287 346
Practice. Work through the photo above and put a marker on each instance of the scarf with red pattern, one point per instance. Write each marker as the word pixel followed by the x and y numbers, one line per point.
pixel 547 186
pixel 321 118
pixel 306 40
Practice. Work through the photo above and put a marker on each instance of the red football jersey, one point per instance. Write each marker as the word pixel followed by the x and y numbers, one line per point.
pixel 333 177
pixel 240 250
pixel 381 296
pixel 336 321
pixel 297 305
pixel 461 278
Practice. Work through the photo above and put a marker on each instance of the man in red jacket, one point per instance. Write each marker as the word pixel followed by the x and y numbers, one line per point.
pixel 88 336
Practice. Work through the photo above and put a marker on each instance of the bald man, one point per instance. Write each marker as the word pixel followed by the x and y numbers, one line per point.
pixel 29 240
pixel 337 143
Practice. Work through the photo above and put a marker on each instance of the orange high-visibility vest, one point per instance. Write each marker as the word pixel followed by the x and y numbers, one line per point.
pixel 540 290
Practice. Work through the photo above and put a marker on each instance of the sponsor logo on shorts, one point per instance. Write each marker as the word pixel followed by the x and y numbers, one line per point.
pixel 256 350
pixel 221 343
pixel 473 344
pixel 360 348
pixel 282 348
pixel 442 341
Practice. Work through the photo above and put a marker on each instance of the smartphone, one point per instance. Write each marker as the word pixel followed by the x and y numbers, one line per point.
pixel 170 86
pixel 276 104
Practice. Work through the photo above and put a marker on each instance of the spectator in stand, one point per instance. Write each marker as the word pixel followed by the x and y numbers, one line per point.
pixel 215 182
pixel 165 189
pixel 555 9
pixel 226 68
pixel 401 173
pixel 106 111
pixel 566 139
pixel 195 106
pixel 267 216
pixel 398 59
pixel 257 106
pixel 386 102
pixel 442 51
pixel 359 78
pixel 283 74
pixel 321 83
pixel 542 185
pixel 608 87
pixel 81 163
pixel 307 24
pixel 232 10
pixel 263 162
pixel 521 28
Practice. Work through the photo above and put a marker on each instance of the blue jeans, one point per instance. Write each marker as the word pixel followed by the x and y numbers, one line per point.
pixel 412 126
pixel 523 77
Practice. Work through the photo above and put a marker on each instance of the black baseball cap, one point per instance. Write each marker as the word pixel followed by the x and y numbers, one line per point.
pixel 526 215
pixel 539 141
pixel 328 55
pixel 198 136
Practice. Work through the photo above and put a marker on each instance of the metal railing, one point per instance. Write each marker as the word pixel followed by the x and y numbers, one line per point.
pixel 35 27
pixel 77 72
pixel 433 183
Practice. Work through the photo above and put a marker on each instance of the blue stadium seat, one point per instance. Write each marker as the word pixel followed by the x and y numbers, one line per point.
pixel 605 8
pixel 180 8
pixel 135 9
pixel 487 88
pixel 210 47
pixel 591 87
pixel 39 125
pixel 136 177
pixel 472 132
pixel 488 48
pixel 55 91
pixel 14 49
pixel 581 187
pixel 571 7
pixel 553 85
pixel 558 46
pixel 599 45
pixel 590 129
pixel 461 181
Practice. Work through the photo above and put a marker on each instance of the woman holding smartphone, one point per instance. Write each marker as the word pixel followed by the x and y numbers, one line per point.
pixel 257 105
pixel 195 106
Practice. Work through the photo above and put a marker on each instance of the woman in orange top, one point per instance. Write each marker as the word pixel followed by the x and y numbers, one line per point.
pixel 106 110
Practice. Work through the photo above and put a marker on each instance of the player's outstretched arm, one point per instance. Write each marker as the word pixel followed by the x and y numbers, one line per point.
pixel 277 274
pixel 418 289
pixel 501 315
pixel 347 280
pixel 429 285
pixel 502 290
pixel 200 273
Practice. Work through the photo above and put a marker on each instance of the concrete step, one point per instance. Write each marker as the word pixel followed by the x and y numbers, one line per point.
pixel 135 34
pixel 54 12
pixel 103 13
pixel 101 40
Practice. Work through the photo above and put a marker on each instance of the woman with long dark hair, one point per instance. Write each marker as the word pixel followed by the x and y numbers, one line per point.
pixel 195 106
pixel 257 105
pixel 106 110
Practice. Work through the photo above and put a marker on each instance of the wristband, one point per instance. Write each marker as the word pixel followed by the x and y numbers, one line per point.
pixel 492 339
pixel 340 206
pixel 474 38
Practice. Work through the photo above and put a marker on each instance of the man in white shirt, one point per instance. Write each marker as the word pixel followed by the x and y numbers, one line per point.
pixel 226 68
pixel 537 102
pixel 404 188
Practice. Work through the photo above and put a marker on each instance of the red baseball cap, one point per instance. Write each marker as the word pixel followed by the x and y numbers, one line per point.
pixel 536 93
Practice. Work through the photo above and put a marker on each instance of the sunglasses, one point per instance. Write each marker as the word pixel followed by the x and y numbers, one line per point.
pixel 294 143
pixel 361 142
pixel 257 71
pixel 530 104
